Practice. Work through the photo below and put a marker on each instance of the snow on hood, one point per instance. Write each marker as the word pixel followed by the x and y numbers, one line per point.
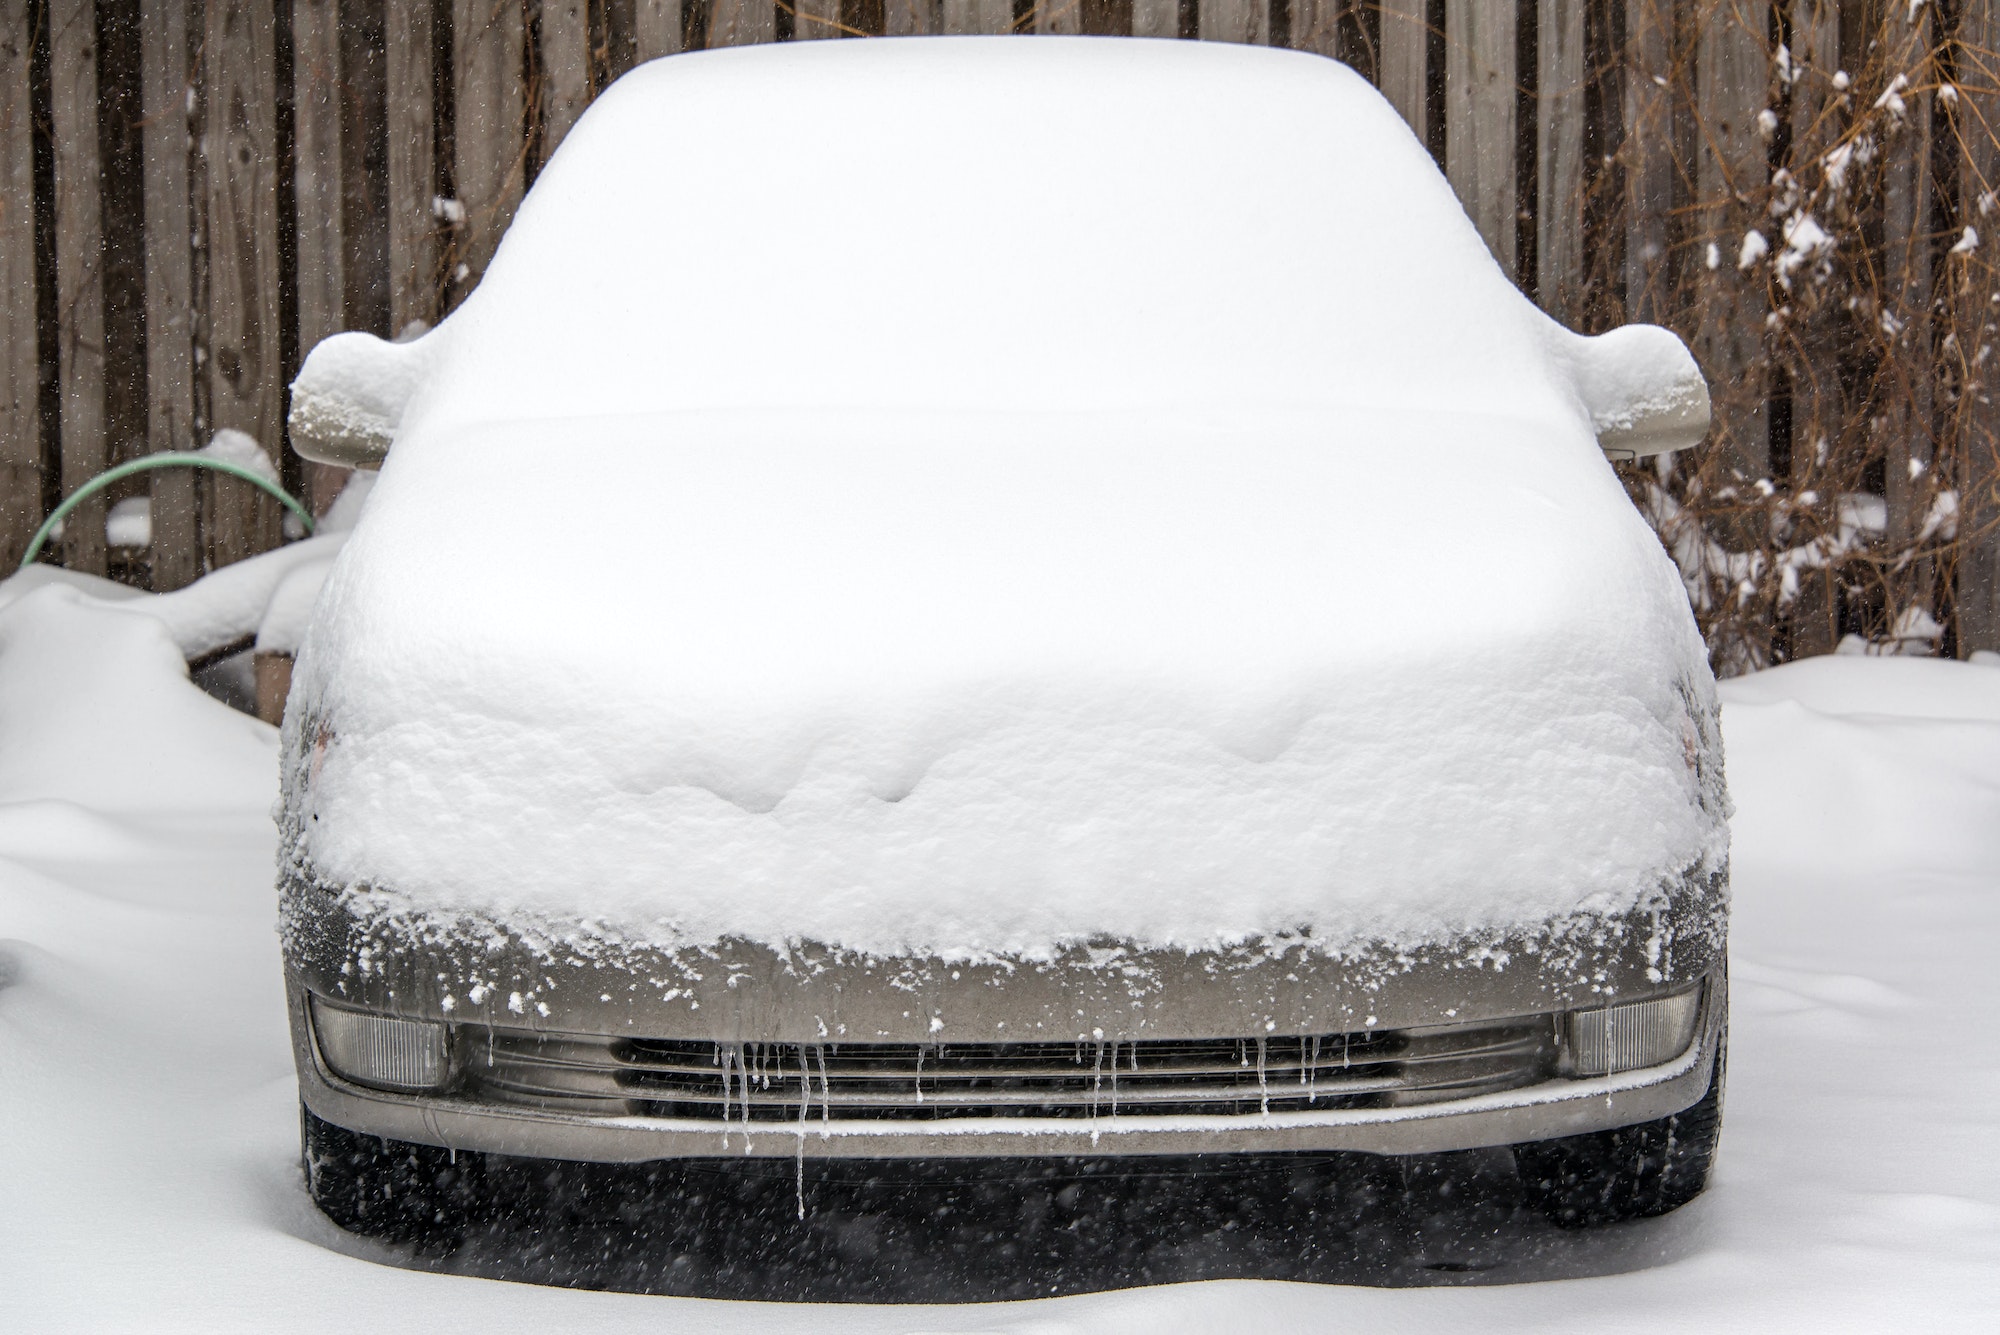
pixel 1044 503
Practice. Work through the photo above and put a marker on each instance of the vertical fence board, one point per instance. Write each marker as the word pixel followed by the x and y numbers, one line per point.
pixel 1648 153
pixel 20 421
pixel 565 83
pixel 1245 21
pixel 815 20
pixel 1403 70
pixel 1058 17
pixel 1906 272
pixel 317 194
pixel 1815 391
pixel 989 16
pixel 79 271
pixel 1156 18
pixel 742 22
pixel 1101 18
pixel 413 252
pixel 246 381
pixel 1480 118
pixel 1315 27
pixel 121 173
pixel 1733 63
pixel 164 75
pixel 316 177
pixel 908 18
pixel 1978 600
pixel 1559 260
pixel 490 126
pixel 656 27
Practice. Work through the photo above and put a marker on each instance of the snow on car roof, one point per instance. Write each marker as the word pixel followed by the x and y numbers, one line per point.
pixel 962 498
pixel 984 223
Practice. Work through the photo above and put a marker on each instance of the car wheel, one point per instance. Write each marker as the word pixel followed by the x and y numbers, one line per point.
pixel 388 1189
pixel 1630 1172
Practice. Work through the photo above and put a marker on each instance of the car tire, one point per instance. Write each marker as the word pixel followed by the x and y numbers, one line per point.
pixel 388 1189
pixel 1629 1172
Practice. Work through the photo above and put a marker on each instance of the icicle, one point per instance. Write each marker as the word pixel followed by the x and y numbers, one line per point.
pixel 825 1093
pixel 724 1059
pixel 805 1106
pixel 1263 1087
pixel 1114 1077
pixel 1096 1084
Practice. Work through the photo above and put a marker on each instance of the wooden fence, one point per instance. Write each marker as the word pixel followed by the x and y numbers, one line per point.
pixel 194 192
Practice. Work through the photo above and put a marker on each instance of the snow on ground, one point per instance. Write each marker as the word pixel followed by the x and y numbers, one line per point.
pixel 149 1154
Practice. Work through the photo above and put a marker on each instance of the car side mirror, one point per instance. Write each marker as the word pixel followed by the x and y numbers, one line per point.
pixel 348 400
pixel 1640 384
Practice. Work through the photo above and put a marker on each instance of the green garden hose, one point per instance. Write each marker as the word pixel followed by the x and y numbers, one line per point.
pixel 168 459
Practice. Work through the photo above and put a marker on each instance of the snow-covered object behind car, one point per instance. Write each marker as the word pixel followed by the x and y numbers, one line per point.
pixel 1076 490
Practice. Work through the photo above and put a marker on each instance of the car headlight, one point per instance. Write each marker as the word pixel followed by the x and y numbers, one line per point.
pixel 1628 1037
pixel 381 1051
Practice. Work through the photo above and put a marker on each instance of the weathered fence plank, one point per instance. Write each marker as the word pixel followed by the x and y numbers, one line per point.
pixel 742 22
pixel 20 381
pixel 364 151
pixel 1815 397
pixel 565 83
pixel 316 188
pixel 909 18
pixel 79 271
pixel 1559 259
pixel 1153 18
pixel 1733 64
pixel 1906 328
pixel 1058 17
pixel 816 20
pixel 1648 151
pixel 656 27
pixel 1978 591
pixel 490 128
pixel 1100 18
pixel 319 201
pixel 984 16
pixel 170 324
pixel 1245 21
pixel 1311 25
pixel 1480 118
pixel 246 380
pixel 1403 81
pixel 413 225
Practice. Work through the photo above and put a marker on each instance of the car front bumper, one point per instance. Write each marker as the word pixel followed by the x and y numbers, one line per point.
pixel 1549 1108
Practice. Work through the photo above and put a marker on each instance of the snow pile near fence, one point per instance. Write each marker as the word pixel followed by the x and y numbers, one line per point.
pixel 96 709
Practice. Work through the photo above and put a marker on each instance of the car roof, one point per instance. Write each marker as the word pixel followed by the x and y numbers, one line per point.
pixel 980 224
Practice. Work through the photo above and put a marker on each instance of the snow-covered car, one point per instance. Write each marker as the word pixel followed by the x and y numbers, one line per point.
pixel 1001 598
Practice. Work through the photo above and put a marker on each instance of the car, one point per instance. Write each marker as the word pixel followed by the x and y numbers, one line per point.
pixel 959 600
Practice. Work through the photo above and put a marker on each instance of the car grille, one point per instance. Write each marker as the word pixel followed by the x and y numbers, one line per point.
pixel 776 1082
